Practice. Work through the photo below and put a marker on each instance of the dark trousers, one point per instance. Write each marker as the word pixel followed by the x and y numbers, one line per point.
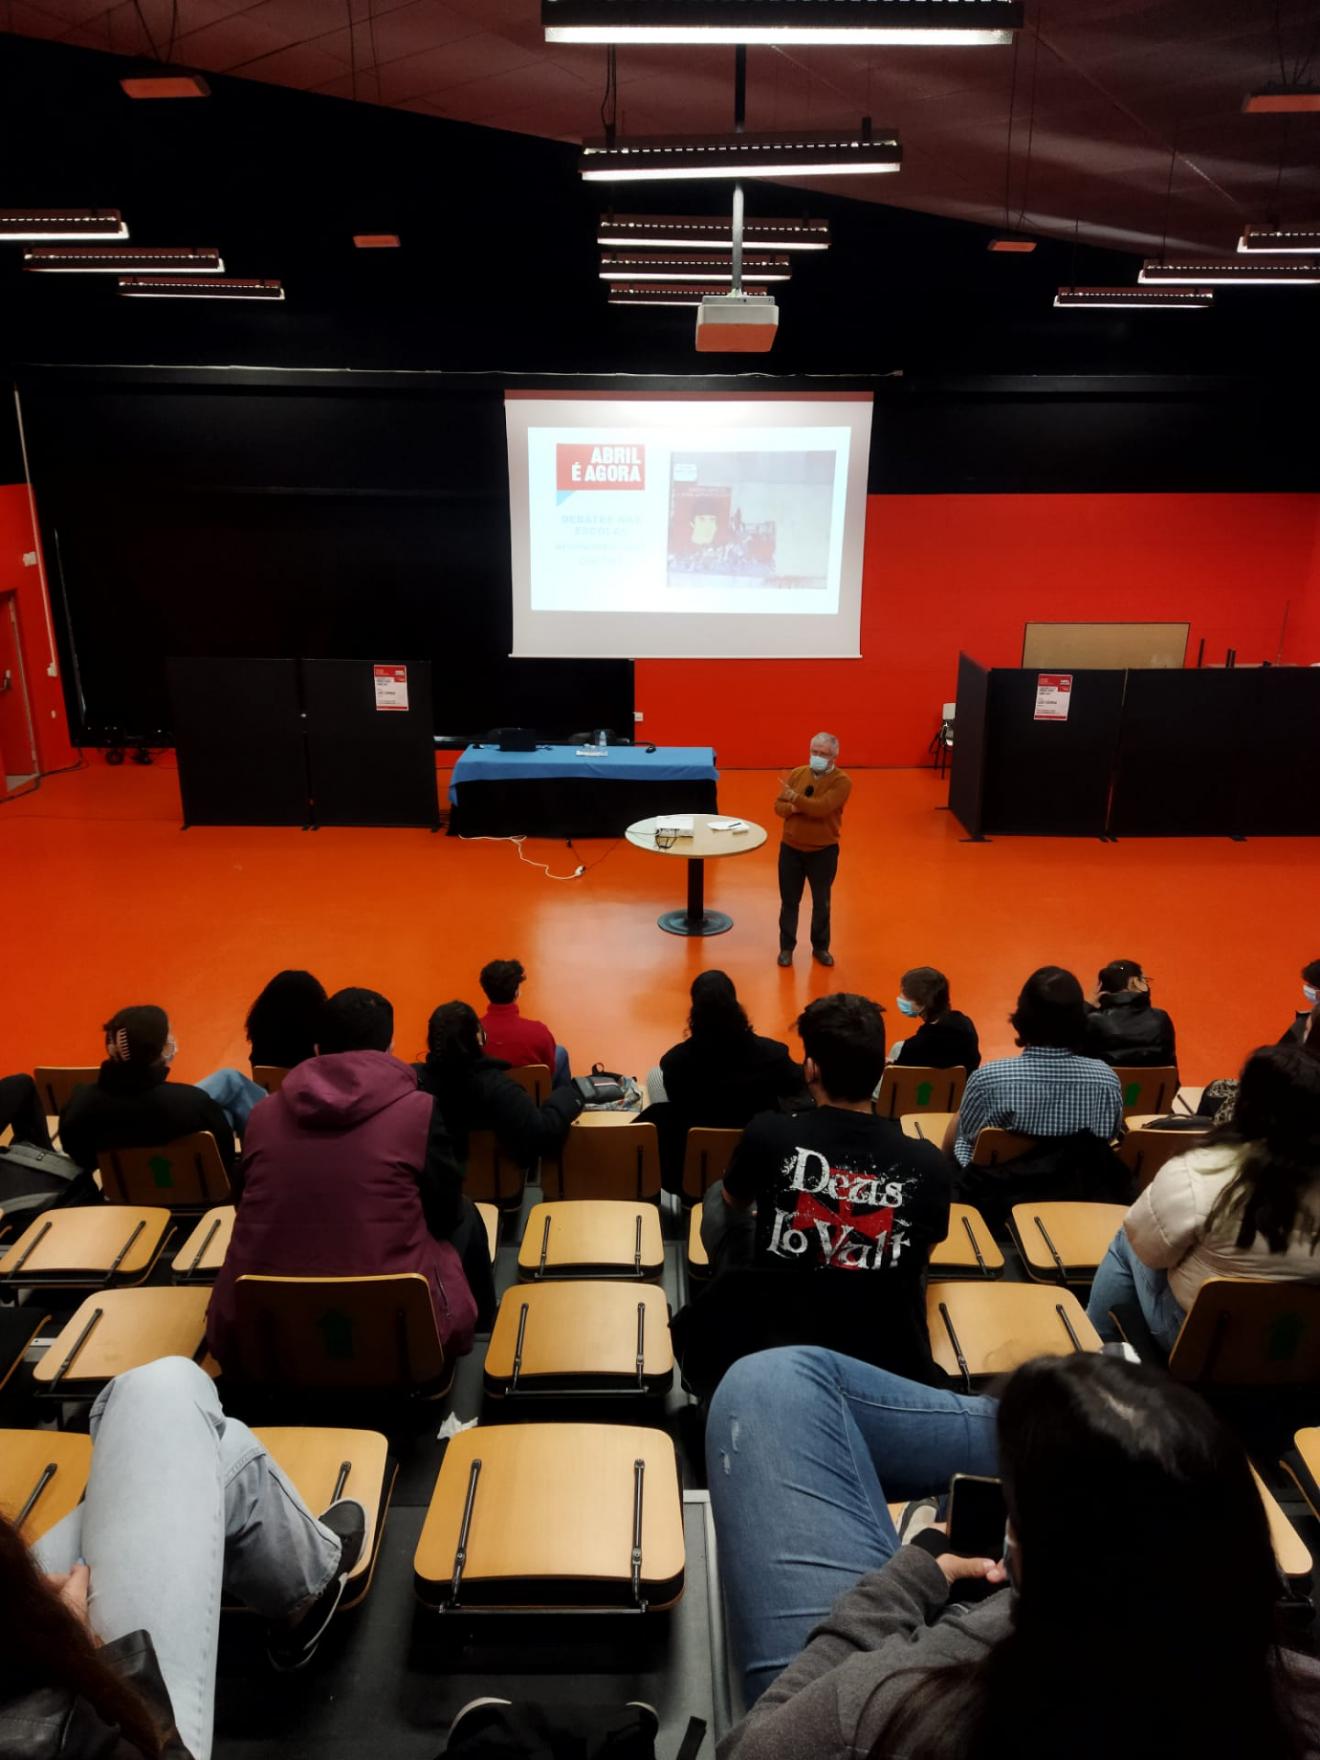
pixel 815 868
pixel 21 1107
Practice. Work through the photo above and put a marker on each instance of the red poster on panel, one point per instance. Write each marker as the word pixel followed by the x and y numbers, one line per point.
pixel 391 686
pixel 1053 695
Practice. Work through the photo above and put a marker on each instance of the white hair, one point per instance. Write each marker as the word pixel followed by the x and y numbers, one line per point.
pixel 831 739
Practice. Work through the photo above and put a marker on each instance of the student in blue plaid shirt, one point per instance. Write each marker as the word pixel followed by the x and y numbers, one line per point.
pixel 1049 1090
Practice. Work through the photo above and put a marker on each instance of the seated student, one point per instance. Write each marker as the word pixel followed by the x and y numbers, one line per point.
pixel 348 1172
pixel 112 1620
pixel 20 1108
pixel 1124 1028
pixel 474 1092
pixel 510 1036
pixel 945 1039
pixel 1051 1089
pixel 1141 1617
pixel 1218 1098
pixel 133 1104
pixel 1244 1203
pixel 1310 997
pixel 282 1028
pixel 720 1076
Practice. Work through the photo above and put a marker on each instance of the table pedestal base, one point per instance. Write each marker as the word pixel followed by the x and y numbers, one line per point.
pixel 696 919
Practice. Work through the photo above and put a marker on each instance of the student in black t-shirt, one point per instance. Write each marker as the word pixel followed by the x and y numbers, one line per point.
pixel 945 1039
pixel 836 1187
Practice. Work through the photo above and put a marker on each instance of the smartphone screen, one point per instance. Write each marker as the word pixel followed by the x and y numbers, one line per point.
pixel 977 1516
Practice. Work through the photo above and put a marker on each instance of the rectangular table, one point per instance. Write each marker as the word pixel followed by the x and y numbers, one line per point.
pixel 553 792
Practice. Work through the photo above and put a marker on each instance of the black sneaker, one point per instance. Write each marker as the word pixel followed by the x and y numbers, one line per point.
pixel 785 957
pixel 292 1642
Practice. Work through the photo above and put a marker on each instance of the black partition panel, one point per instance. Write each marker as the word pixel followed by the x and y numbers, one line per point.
pixel 238 733
pixel 1050 777
pixel 1282 793
pixel 369 765
pixel 967 774
pixel 1182 759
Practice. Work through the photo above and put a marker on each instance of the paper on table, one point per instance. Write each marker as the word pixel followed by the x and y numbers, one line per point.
pixel 726 825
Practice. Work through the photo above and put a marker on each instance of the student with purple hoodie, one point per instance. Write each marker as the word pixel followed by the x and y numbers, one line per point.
pixel 347 1171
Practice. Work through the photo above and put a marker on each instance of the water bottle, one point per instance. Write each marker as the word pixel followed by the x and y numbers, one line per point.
pixel 600 739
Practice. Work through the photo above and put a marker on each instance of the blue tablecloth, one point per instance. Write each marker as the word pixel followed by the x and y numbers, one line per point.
pixel 559 763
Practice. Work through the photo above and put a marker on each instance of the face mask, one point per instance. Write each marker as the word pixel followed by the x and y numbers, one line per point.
pixel 1311 994
pixel 818 764
pixel 906 1007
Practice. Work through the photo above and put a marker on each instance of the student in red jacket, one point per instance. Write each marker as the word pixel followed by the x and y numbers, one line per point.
pixel 510 1037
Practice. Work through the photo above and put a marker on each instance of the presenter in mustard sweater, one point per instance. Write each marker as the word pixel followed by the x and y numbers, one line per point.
pixel 811 806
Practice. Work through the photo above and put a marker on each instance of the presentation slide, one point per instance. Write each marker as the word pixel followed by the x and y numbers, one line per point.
pixel 687 527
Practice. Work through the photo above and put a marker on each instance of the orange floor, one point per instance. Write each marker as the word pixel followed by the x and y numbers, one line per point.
pixel 105 902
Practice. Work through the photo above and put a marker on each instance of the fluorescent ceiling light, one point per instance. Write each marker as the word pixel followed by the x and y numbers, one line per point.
pixel 1011 244
pixel 899 23
pixel 1279 100
pixel 638 266
pixel 1179 299
pixel 376 241
pixel 54 224
pixel 1280 241
pixel 115 259
pixel 813 154
pixel 655 294
pixel 708 232
pixel 1226 272
pixel 171 287
pixel 166 85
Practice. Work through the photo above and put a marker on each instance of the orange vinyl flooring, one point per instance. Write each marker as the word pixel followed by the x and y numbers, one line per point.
pixel 105 901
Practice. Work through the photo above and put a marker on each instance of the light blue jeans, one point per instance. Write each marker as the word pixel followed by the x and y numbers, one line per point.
pixel 804 1449
pixel 563 1075
pixel 1121 1278
pixel 183 1504
pixel 235 1094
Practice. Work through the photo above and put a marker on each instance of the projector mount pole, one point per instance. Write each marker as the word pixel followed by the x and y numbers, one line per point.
pixel 739 118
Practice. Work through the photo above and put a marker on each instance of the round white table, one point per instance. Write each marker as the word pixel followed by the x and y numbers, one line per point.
pixel 702 846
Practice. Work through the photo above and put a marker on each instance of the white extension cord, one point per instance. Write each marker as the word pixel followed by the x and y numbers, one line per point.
pixel 517 843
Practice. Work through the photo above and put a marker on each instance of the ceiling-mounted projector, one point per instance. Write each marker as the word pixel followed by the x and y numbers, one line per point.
pixel 736 323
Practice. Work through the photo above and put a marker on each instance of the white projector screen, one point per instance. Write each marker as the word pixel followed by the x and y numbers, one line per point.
pixel 703 527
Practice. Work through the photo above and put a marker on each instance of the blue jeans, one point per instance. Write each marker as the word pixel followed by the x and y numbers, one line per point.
pixel 1122 1278
pixel 562 1074
pixel 804 1448
pixel 235 1094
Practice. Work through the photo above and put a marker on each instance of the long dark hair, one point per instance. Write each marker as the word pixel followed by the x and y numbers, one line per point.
pixel 453 1040
pixel 1138 1523
pixel 716 1017
pixel 288 1011
pixel 47 1646
pixel 1276 1120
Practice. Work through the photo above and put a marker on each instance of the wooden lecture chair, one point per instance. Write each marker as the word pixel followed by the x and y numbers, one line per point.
pixel 55 1084
pixel 491 1176
pixel 598 1237
pixel 200 1257
pixel 705 1156
pixel 88 1246
pixel 1146 1150
pixel 592 1337
pixel 120 1329
pixel 1302 1465
pixel 698 1260
pixel 186 1174
pixel 1250 1333
pixel 43 1474
pixel 535 1080
pixel 269 1076
pixel 607 1156
pixel 490 1221
pixel 19 1326
pixel 544 1517
pixel 980 1329
pixel 359 1334
pixel 908 1089
pixel 1147 1090
pixel 992 1147
pixel 969 1249
pixel 1064 1242
pixel 327 1464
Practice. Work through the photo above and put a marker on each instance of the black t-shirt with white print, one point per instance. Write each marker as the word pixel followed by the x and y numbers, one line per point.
pixel 841 1191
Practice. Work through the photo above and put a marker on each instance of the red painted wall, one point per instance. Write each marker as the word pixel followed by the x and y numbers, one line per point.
pixel 46 694
pixel 944 572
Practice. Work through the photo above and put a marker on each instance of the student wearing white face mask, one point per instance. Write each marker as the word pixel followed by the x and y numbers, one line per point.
pixel 945 1039
pixel 1311 996
pixel 811 805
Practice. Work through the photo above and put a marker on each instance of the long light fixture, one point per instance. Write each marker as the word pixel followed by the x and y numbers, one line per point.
pixel 172 287
pixel 898 23
pixel 54 225
pixel 622 293
pixel 114 259
pixel 1280 241
pixel 708 233
pixel 1180 299
pixel 1225 272
pixel 1011 245
pixel 165 85
pixel 1282 100
pixel 812 154
pixel 639 266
